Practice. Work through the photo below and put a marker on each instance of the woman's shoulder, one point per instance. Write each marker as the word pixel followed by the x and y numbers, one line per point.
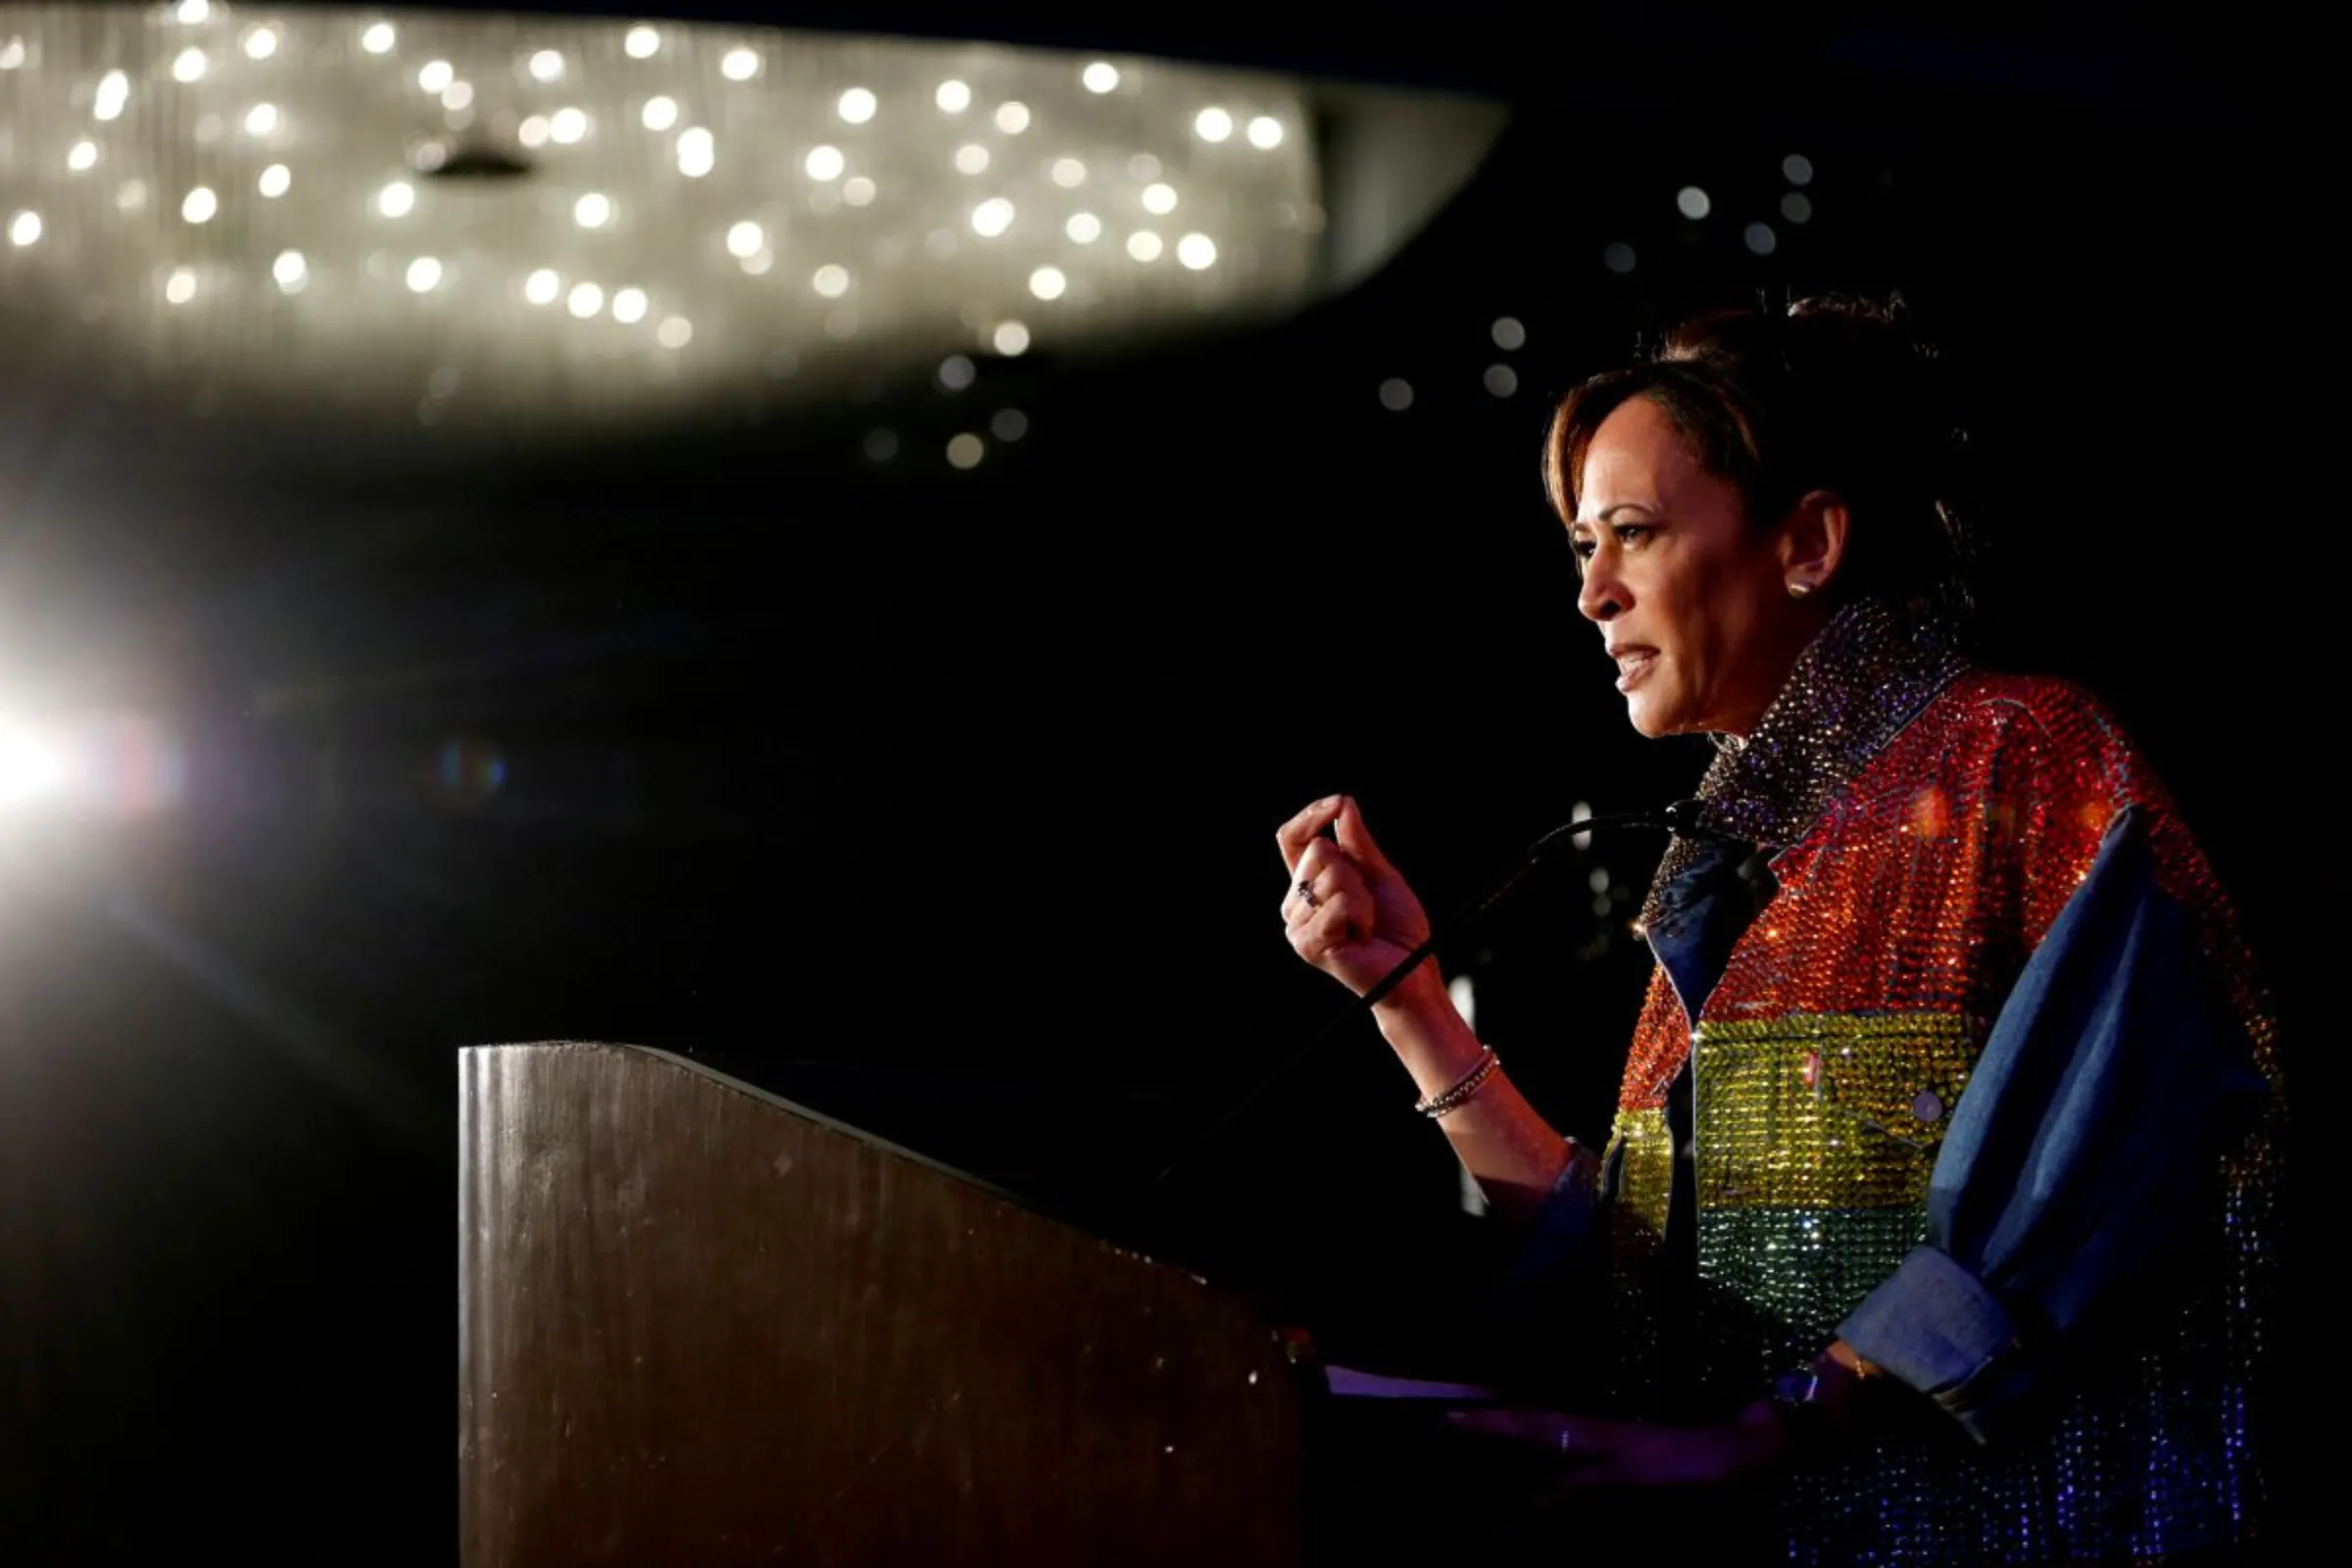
pixel 2035 732
pixel 2050 702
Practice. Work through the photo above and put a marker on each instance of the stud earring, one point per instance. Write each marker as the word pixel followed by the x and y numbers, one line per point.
pixel 1798 588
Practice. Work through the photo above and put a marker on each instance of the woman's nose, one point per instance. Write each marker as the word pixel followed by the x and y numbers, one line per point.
pixel 1600 597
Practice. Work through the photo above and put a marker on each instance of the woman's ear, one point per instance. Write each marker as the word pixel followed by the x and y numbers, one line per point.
pixel 1812 542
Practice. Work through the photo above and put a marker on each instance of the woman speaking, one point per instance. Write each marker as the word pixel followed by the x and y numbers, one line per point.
pixel 1936 1218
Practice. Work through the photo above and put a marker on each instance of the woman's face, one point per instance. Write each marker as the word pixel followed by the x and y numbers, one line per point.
pixel 1691 598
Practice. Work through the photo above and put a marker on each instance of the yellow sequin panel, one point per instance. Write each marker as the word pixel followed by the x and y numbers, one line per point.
pixel 1644 1148
pixel 1825 1111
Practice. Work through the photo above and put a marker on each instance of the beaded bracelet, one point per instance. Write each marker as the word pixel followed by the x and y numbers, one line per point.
pixel 1470 1083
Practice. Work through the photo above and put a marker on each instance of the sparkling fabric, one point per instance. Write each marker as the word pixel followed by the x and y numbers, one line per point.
pixel 1927 823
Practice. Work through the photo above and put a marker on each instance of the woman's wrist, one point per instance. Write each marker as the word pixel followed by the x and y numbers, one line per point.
pixel 1829 1401
pixel 1425 1029
pixel 1419 995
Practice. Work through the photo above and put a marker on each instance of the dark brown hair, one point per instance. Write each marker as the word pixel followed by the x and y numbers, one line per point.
pixel 1835 394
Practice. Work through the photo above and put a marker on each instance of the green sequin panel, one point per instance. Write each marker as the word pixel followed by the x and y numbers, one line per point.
pixel 1780 1281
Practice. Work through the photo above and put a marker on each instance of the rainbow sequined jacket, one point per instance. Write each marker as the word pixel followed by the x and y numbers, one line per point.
pixel 1965 1063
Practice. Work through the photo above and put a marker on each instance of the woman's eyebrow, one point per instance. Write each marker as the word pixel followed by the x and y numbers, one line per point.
pixel 1610 515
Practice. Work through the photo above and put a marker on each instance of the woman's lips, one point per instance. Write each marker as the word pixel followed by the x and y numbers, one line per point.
pixel 1633 663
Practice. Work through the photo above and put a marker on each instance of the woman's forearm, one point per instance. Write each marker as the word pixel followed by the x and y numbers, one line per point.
pixel 1513 1154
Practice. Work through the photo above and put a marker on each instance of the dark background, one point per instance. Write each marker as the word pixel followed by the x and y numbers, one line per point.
pixel 943 802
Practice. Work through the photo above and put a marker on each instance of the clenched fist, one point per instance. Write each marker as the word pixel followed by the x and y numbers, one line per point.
pixel 1348 911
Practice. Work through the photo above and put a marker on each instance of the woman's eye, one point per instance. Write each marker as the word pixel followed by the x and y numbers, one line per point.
pixel 1584 548
pixel 1627 532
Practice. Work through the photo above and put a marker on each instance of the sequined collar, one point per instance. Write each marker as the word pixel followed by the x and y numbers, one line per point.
pixel 1866 675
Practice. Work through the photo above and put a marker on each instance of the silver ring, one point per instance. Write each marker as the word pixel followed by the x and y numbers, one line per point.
pixel 1307 892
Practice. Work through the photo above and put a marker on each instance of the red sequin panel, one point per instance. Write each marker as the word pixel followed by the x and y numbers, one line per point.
pixel 1661 1040
pixel 1925 885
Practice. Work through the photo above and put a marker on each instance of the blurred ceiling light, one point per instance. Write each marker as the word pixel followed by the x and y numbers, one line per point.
pixel 30 766
pixel 113 763
pixel 601 180
pixel 991 218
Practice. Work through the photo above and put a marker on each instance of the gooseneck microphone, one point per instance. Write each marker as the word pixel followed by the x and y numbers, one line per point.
pixel 1682 816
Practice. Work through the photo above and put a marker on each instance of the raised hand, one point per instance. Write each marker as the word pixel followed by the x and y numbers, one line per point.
pixel 1347 910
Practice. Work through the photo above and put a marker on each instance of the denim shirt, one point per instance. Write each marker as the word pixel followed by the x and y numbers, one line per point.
pixel 2113 1080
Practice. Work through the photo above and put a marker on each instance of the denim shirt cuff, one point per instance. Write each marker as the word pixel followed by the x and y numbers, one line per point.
pixel 1934 1326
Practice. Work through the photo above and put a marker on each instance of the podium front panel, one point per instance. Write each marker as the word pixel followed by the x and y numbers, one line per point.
pixel 700 1325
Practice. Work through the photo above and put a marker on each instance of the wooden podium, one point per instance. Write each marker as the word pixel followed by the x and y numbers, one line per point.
pixel 700 1325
